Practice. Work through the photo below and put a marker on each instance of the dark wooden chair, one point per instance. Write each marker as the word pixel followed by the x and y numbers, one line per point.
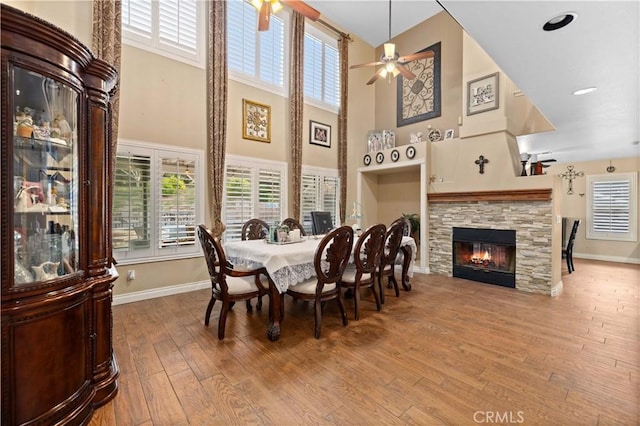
pixel 362 273
pixel 254 229
pixel 227 285
pixel 294 224
pixel 567 252
pixel 393 241
pixel 329 266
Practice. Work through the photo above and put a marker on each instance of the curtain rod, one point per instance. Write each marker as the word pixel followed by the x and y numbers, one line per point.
pixel 334 29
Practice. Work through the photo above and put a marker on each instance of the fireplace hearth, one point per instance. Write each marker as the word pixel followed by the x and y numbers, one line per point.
pixel 485 255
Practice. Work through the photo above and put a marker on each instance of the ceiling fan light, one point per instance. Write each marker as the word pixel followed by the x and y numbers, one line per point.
pixel 257 4
pixel 390 67
pixel 383 72
pixel 389 50
pixel 276 6
pixel 395 72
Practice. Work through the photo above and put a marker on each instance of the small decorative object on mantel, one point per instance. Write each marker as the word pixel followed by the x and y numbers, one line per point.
pixel 448 134
pixel 570 175
pixel 374 141
pixel 367 159
pixel 481 161
pixel 388 139
pixel 482 94
pixel 415 137
pixel 256 121
pixel 524 157
pixel 395 155
pixel 434 135
pixel 379 158
pixel 411 152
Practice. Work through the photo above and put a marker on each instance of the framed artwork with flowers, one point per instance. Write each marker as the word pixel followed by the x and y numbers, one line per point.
pixel 256 121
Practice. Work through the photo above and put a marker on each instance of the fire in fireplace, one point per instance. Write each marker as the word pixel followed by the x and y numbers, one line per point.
pixel 485 255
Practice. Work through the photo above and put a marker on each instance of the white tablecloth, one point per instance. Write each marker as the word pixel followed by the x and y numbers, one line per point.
pixel 287 264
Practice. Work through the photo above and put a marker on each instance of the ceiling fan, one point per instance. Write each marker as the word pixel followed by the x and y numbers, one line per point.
pixel 266 7
pixel 392 61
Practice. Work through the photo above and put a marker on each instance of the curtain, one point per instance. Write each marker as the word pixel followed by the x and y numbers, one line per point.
pixel 216 109
pixel 296 108
pixel 343 45
pixel 107 45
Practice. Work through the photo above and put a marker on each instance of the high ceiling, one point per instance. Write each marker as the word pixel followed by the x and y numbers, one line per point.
pixel 599 48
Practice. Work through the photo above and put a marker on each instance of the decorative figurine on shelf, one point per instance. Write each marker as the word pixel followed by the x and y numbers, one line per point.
pixel 61 122
pixel 46 270
pixel 415 137
pixel 24 126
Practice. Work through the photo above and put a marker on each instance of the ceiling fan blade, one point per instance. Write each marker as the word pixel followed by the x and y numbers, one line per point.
pixel 551 160
pixel 264 16
pixel 374 78
pixel 405 72
pixel 366 65
pixel 303 8
pixel 415 56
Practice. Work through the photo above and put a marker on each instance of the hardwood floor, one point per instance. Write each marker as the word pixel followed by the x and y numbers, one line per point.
pixel 450 351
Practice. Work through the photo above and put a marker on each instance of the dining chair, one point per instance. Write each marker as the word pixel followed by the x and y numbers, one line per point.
pixel 294 224
pixel 254 229
pixel 228 285
pixel 366 260
pixel 329 265
pixel 567 252
pixel 393 240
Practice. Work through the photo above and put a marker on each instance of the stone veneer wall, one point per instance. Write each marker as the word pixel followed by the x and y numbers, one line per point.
pixel 532 221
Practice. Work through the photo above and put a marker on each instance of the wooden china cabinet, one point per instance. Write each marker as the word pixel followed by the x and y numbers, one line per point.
pixel 57 356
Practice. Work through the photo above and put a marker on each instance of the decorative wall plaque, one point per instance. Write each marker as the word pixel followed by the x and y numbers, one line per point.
pixel 419 99
pixel 256 121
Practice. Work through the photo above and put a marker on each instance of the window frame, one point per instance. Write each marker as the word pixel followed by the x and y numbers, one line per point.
pixel 326 39
pixel 632 234
pixel 254 80
pixel 322 172
pixel 155 45
pixel 156 152
pixel 255 164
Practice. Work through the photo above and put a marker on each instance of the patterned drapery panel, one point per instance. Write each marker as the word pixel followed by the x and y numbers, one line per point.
pixel 107 45
pixel 296 107
pixel 216 109
pixel 343 45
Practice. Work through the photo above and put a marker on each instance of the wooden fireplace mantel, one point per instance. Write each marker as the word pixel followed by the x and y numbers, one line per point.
pixel 509 195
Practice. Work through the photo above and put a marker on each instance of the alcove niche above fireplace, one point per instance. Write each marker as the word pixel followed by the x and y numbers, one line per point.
pixel 485 255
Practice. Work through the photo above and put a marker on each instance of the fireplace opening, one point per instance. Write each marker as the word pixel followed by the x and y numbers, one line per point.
pixel 485 255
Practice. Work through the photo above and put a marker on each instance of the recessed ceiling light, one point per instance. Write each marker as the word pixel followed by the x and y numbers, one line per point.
pixel 559 21
pixel 585 91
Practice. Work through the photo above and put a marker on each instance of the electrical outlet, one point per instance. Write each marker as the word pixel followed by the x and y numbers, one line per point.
pixel 131 275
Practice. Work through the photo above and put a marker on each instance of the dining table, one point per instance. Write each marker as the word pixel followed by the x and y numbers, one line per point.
pixel 292 262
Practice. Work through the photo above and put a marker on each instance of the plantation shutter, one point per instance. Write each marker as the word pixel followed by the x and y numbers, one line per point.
pixel 309 199
pixel 329 196
pixel 242 26
pixel 176 203
pixel 137 17
pixel 272 53
pixel 270 206
pixel 178 24
pixel 331 76
pixel 611 206
pixel 238 200
pixel 132 203
pixel 313 67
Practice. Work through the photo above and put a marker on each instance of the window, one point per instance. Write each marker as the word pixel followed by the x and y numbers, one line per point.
pixel 252 188
pixel 173 28
pixel 319 193
pixel 321 70
pixel 612 207
pixel 256 57
pixel 157 202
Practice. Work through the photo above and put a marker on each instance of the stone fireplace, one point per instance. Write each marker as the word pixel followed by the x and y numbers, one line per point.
pixel 527 213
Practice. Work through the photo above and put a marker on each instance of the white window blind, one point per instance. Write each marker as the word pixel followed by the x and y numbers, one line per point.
pixel 176 204
pixel 157 202
pixel 253 189
pixel 612 207
pixel 256 57
pixel 319 193
pixel 321 70
pixel 132 197
pixel 172 28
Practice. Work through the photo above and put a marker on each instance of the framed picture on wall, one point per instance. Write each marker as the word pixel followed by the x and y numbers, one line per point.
pixel 256 121
pixel 482 94
pixel 319 134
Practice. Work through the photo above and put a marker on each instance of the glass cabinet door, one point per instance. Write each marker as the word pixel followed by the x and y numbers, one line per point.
pixel 45 177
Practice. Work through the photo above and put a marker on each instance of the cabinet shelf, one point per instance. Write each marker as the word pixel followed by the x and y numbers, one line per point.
pixel 40 145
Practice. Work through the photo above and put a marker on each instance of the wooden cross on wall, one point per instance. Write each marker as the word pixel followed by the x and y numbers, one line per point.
pixel 481 161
